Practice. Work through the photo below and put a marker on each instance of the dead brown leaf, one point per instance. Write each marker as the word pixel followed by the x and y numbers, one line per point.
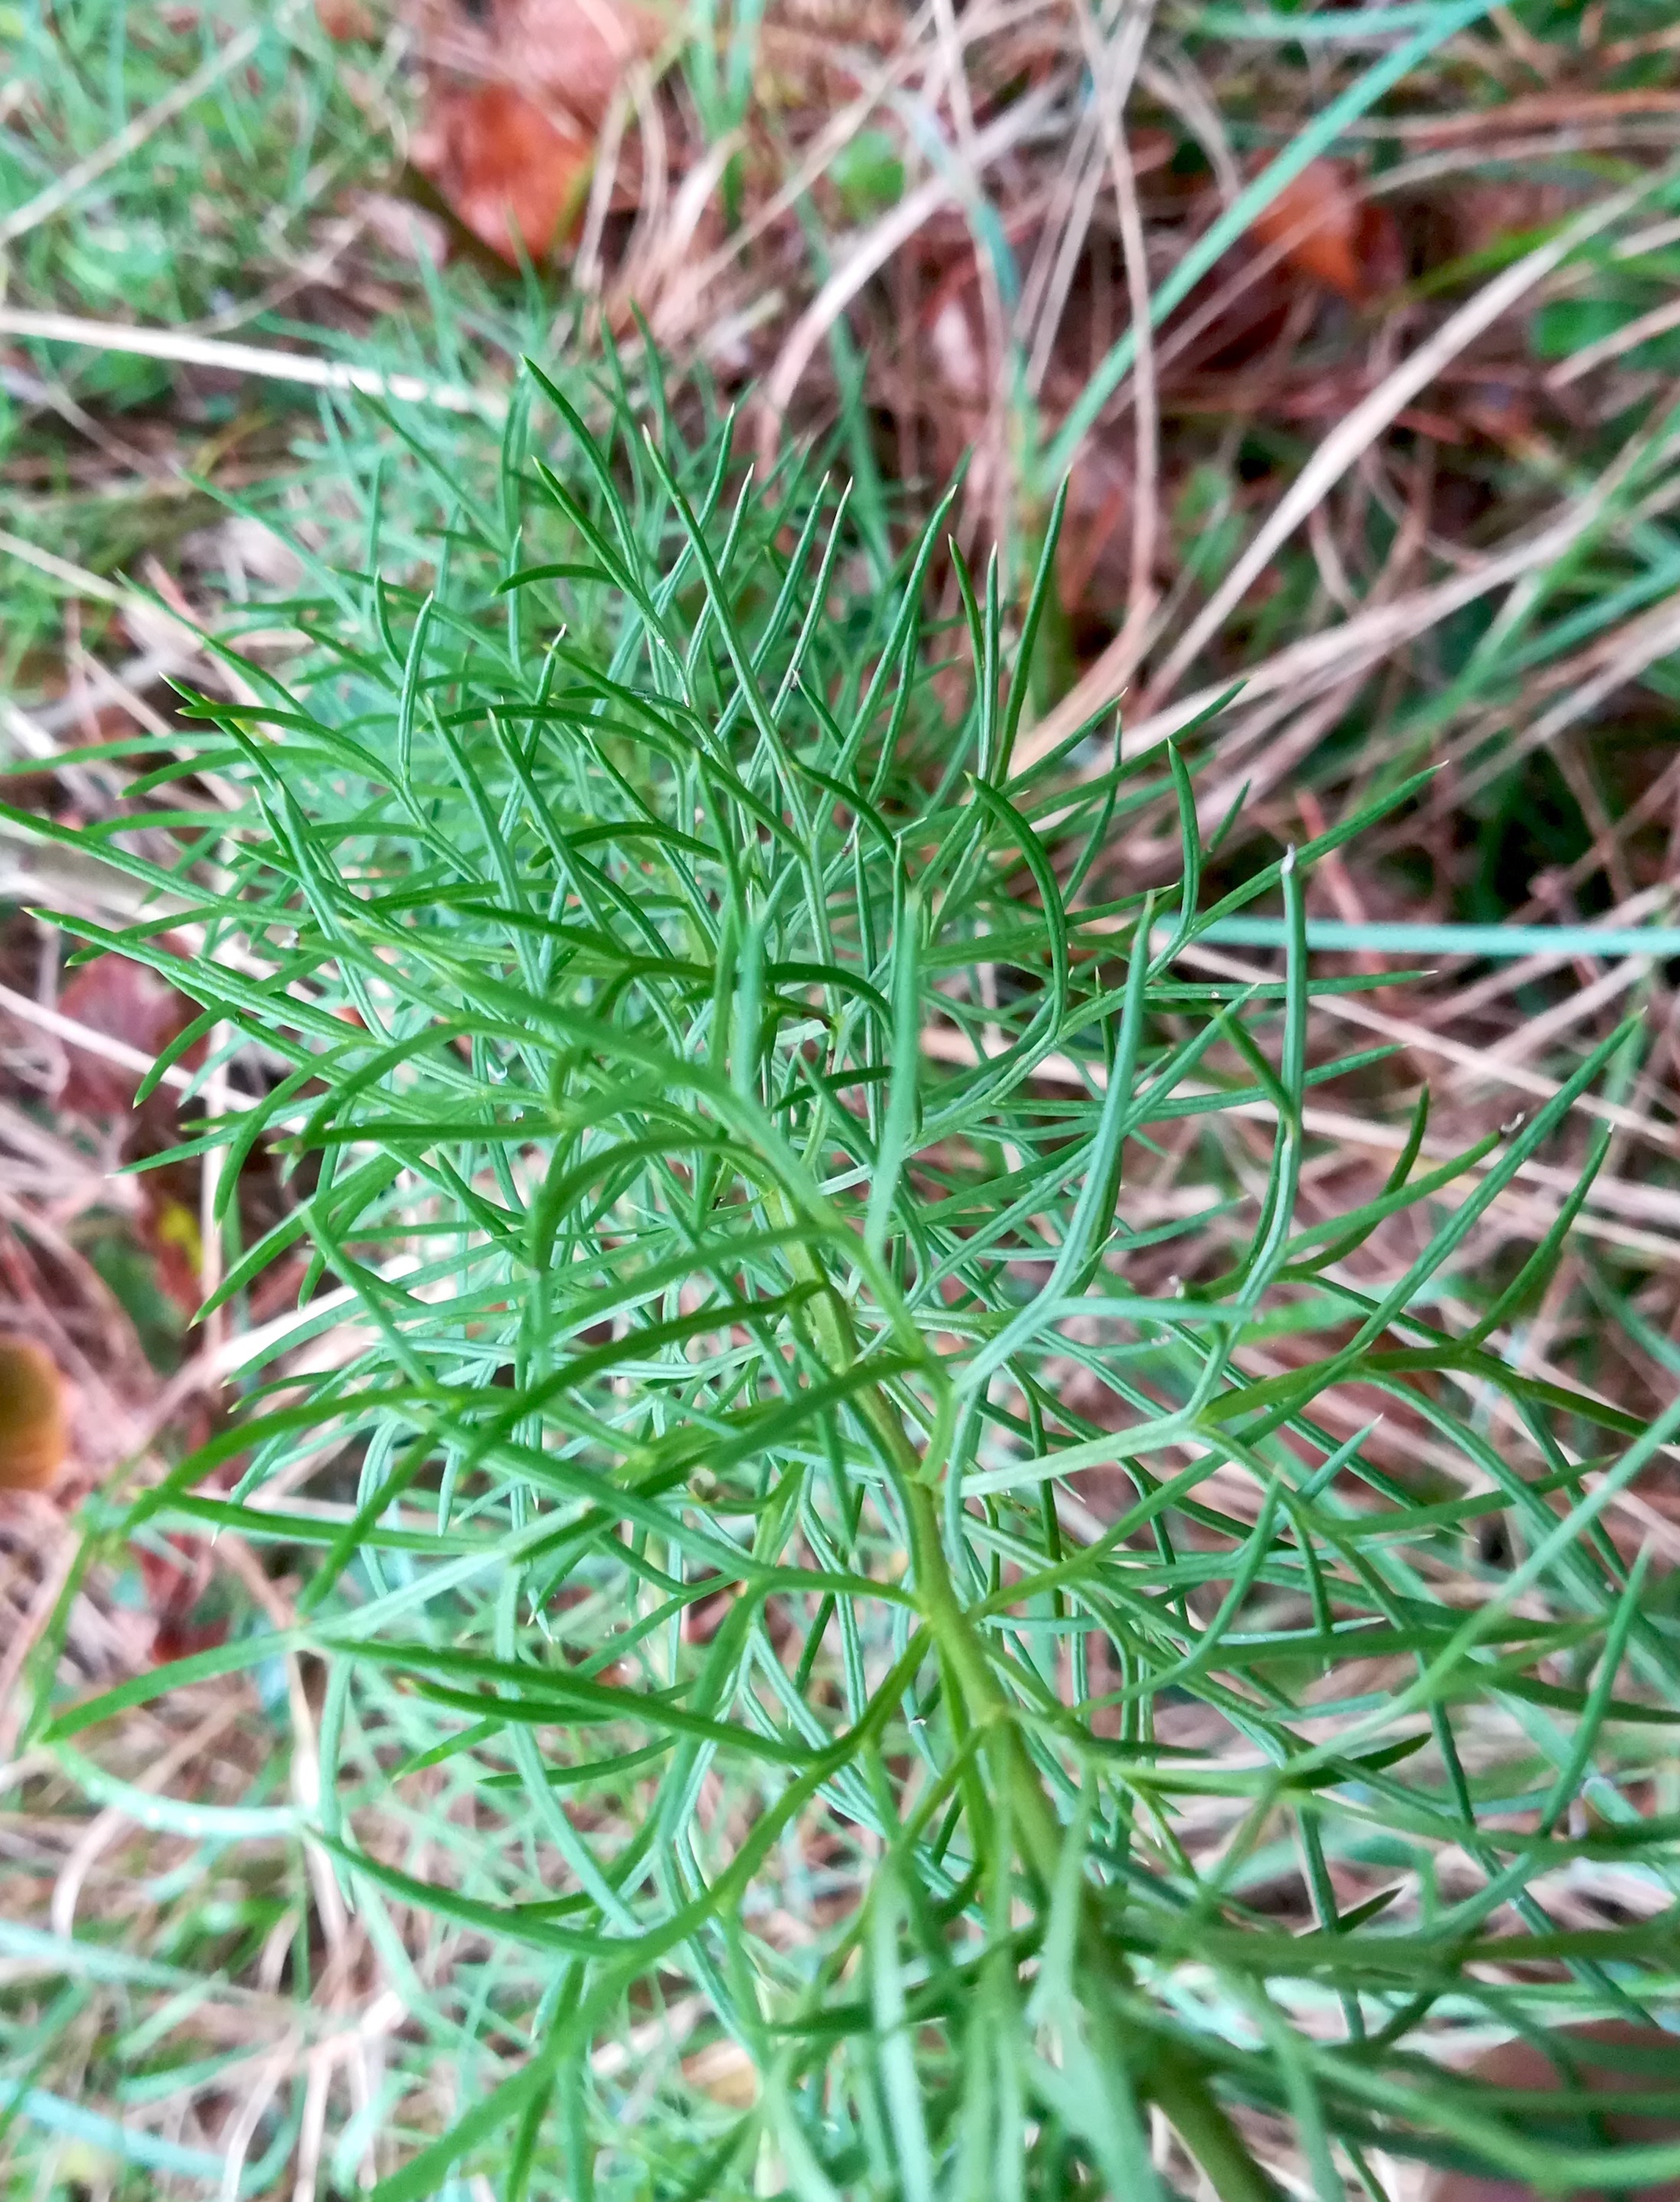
pixel 1613 2057
pixel 507 169
pixel 508 136
pixel 127 1002
pixel 1332 234
pixel 34 1425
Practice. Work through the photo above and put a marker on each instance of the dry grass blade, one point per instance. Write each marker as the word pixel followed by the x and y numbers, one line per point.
pixel 268 364
pixel 871 251
pixel 1346 444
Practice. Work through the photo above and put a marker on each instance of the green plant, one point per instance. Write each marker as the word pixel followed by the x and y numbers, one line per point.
pixel 799 1546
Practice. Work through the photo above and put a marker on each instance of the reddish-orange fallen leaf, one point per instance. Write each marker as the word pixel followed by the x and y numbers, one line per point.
pixel 505 167
pixel 1331 235
pixel 34 1425
pixel 129 1003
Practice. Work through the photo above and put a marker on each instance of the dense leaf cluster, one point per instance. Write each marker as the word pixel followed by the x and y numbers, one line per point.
pixel 726 1149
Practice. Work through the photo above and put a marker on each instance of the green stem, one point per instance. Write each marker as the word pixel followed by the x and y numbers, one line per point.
pixel 1203 2126
pixel 1181 2091
pixel 1055 664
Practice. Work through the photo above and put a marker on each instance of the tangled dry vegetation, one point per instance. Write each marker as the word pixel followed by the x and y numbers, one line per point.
pixel 1395 447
